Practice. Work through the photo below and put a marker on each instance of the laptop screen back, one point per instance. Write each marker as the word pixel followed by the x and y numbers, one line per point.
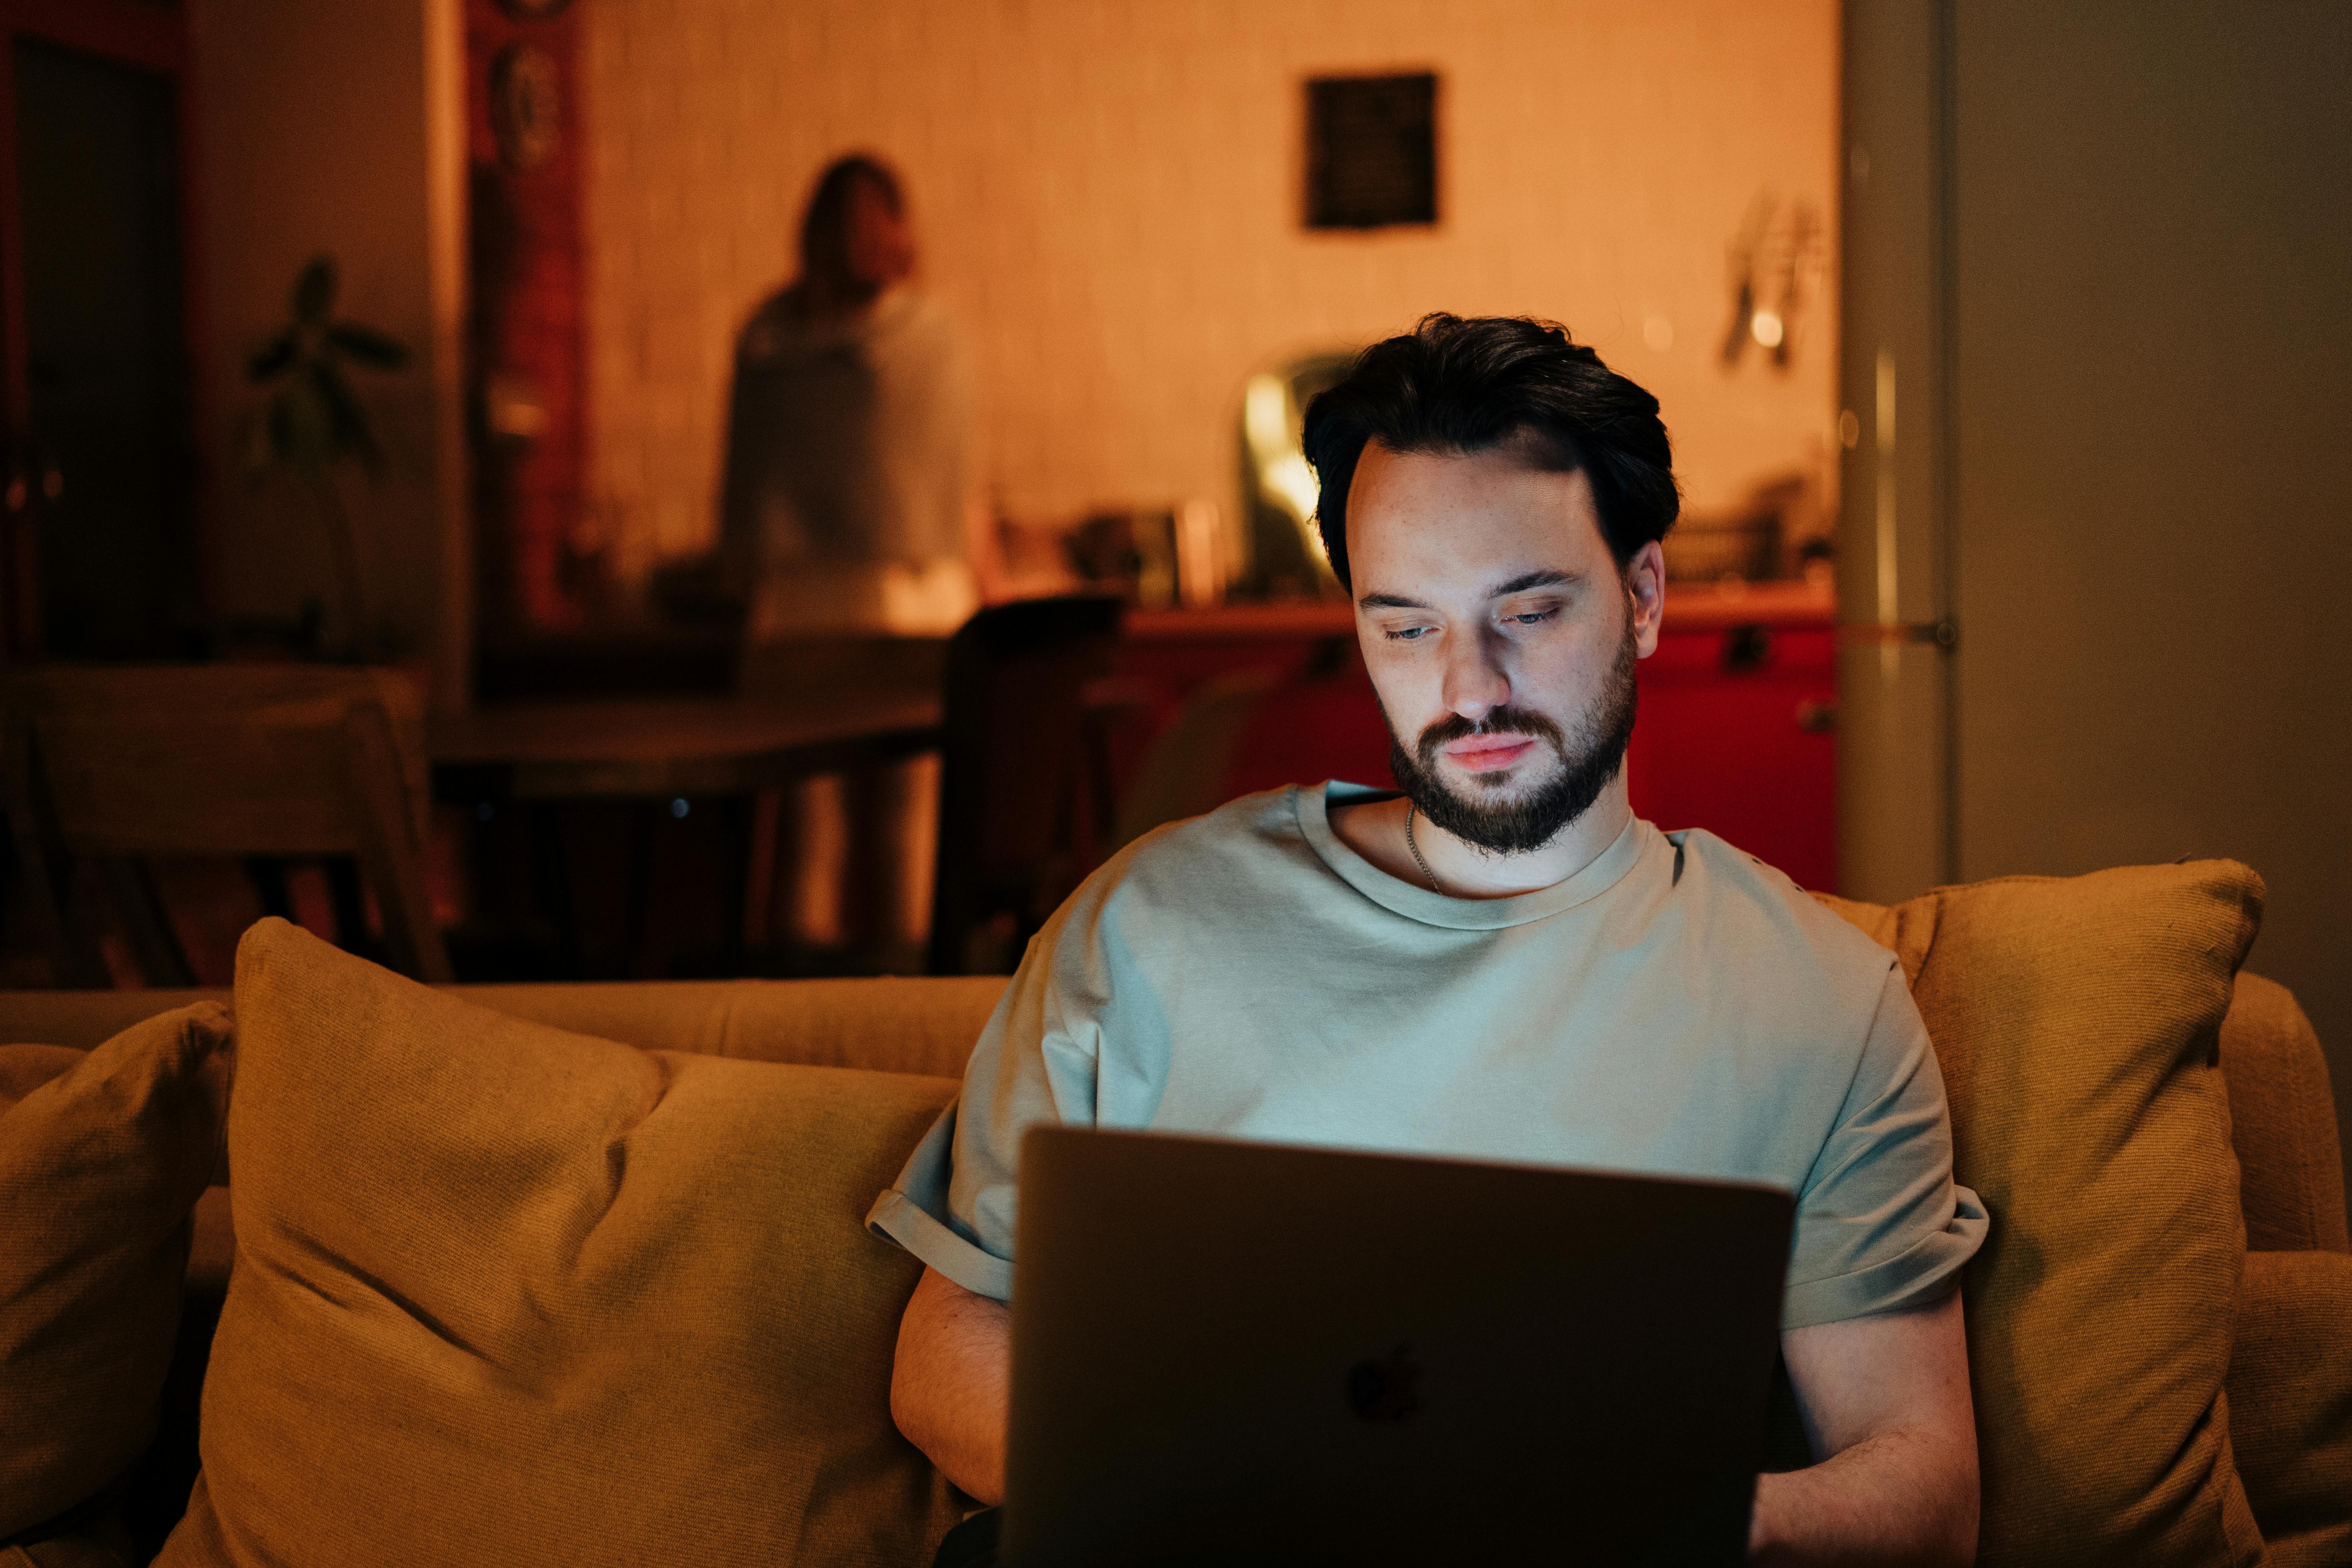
pixel 1246 1353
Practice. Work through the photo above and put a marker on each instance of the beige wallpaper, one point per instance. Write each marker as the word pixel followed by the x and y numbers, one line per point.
pixel 1109 195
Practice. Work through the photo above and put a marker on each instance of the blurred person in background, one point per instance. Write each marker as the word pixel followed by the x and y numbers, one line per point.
pixel 845 506
pixel 847 514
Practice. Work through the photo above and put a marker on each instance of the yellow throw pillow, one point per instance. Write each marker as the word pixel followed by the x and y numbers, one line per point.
pixel 509 1295
pixel 101 1164
pixel 2076 1021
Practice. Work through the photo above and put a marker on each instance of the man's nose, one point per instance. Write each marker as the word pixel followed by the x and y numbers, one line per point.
pixel 1475 680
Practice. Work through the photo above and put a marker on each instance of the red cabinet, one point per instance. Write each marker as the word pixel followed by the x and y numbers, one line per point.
pixel 1736 727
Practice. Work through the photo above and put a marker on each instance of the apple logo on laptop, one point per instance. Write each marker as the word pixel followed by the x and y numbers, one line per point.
pixel 1386 1390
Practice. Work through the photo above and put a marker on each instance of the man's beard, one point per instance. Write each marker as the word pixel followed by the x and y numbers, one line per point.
pixel 1587 762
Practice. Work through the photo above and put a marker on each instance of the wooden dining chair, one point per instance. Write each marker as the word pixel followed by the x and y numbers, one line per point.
pixel 118 765
pixel 1014 774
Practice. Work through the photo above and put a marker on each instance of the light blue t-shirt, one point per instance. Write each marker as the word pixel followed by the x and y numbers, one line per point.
pixel 1676 1007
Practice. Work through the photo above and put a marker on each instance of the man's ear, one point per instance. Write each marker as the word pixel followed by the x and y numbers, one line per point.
pixel 1646 596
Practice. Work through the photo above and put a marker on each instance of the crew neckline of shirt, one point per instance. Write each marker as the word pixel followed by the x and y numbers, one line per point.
pixel 1311 803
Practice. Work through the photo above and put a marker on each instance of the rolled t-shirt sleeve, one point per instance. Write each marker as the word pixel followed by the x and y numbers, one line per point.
pixel 1881 1224
pixel 954 1204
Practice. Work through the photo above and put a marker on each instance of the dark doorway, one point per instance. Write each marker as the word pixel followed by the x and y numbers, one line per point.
pixel 103 427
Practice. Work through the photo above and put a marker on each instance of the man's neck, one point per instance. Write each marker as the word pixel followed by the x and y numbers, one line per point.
pixel 1376 830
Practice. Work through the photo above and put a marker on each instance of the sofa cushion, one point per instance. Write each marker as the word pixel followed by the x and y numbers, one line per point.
pixel 2282 1123
pixel 2291 1402
pixel 24 1069
pixel 2075 1022
pixel 505 1294
pixel 99 1166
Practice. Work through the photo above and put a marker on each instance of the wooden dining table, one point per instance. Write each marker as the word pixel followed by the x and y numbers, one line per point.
pixel 652 748
pixel 727 753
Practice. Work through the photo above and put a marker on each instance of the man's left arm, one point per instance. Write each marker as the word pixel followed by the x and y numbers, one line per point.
pixel 1885 1399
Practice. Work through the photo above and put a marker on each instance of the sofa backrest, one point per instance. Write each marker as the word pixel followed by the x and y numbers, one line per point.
pixel 924 1026
pixel 2282 1124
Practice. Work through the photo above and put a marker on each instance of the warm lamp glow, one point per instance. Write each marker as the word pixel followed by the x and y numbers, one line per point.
pixel 1271 424
pixel 1265 413
pixel 1292 482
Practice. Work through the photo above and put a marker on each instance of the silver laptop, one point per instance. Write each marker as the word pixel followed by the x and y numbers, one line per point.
pixel 1237 1353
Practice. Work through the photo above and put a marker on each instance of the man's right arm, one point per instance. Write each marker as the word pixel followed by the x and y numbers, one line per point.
pixel 950 1387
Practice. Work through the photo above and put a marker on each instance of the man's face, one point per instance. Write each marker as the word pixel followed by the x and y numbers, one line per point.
pixel 1499 634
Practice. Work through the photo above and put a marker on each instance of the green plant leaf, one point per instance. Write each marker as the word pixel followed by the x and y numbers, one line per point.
pixel 379 350
pixel 314 291
pixel 310 419
pixel 273 357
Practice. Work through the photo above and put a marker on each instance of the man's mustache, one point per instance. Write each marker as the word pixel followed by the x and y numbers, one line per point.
pixel 1498 722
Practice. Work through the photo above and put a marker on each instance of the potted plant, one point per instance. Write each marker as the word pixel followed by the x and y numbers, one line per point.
pixel 310 423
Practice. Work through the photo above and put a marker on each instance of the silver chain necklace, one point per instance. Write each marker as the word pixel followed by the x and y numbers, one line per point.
pixel 1409 809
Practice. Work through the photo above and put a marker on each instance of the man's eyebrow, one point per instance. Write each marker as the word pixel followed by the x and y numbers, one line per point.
pixel 1518 585
pixel 1525 581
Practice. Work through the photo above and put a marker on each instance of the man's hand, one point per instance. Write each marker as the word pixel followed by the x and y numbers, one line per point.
pixel 951 1387
pixel 1886 1400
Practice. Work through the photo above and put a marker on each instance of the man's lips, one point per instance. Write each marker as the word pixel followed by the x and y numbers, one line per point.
pixel 1488 753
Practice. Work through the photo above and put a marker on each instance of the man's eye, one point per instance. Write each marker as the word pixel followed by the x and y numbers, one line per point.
pixel 1532 617
pixel 1407 634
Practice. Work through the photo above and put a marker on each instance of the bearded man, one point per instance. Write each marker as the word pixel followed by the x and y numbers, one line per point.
pixel 1500 962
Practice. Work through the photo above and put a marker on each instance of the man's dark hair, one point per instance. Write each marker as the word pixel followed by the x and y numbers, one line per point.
pixel 1453 385
pixel 825 226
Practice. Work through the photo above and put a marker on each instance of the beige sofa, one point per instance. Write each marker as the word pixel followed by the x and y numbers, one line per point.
pixel 2161 1333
